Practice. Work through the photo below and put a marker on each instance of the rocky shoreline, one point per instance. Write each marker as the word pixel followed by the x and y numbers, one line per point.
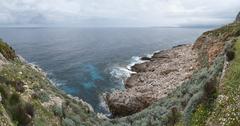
pixel 153 80
pixel 186 85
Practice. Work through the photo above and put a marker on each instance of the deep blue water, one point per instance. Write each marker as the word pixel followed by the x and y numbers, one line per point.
pixel 86 62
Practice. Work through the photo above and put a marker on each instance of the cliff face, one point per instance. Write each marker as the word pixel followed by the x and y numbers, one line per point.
pixel 238 17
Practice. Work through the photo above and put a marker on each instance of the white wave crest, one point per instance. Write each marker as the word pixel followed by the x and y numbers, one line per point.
pixel 122 72
pixel 134 60
pixel 53 81
pixel 34 66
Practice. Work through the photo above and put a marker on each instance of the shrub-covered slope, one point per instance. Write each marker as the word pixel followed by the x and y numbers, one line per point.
pixel 209 97
pixel 193 102
pixel 29 98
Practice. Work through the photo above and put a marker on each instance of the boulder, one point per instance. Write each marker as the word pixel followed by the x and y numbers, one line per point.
pixel 145 58
pixel 230 55
pixel 139 67
pixel 127 104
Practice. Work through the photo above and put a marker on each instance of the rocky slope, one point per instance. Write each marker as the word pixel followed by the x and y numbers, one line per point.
pixel 167 70
pixel 154 80
pixel 197 99
pixel 187 85
pixel 29 98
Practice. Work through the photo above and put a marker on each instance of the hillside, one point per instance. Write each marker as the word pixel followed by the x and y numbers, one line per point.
pixel 29 98
pixel 210 96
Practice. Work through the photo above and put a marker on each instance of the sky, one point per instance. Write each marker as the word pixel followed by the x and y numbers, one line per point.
pixel 117 13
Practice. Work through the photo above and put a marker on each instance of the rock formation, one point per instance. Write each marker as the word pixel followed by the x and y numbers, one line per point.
pixel 238 17
pixel 165 71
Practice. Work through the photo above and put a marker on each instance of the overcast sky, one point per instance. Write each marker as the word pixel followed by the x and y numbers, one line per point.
pixel 117 12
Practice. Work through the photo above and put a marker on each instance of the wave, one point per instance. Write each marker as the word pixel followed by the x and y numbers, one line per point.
pixel 37 68
pixel 56 83
pixel 104 105
pixel 48 75
pixel 134 60
pixel 122 72
pixel 119 72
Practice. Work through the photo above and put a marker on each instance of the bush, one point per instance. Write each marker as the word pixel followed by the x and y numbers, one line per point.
pixel 20 115
pixel 29 109
pixel 4 93
pixel 210 87
pixel 18 85
pixel 20 112
pixel 34 96
pixel 43 96
pixel 57 110
pixel 68 122
pixel 173 116
pixel 76 119
pixel 230 55
pixel 14 98
pixel 7 51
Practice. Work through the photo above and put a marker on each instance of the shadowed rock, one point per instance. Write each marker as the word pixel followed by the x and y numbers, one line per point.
pixel 145 58
pixel 230 55
pixel 238 18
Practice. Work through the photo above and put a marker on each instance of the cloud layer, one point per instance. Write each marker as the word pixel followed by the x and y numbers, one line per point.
pixel 117 12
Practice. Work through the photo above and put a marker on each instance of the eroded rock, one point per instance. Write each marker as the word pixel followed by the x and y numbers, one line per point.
pixel 153 80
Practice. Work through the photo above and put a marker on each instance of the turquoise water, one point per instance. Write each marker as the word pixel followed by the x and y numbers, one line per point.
pixel 87 62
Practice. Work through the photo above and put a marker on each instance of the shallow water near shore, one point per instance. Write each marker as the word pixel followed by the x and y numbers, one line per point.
pixel 87 62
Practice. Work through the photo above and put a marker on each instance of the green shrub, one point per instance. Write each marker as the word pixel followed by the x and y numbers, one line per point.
pixel 76 119
pixel 68 122
pixel 29 109
pixel 57 110
pixel 7 51
pixel 230 55
pixel 173 117
pixel 14 98
pixel 210 88
pixel 4 92
pixel 18 85
pixel 43 96
pixel 20 115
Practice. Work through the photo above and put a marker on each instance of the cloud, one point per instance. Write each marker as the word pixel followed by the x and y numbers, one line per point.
pixel 117 12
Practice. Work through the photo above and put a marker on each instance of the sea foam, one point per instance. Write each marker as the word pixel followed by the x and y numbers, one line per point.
pixel 122 72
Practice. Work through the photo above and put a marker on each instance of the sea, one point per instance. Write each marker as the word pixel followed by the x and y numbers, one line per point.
pixel 87 62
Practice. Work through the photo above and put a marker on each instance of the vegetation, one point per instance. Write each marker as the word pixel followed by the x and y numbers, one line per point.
pixel 226 108
pixel 207 98
pixel 194 101
pixel 29 98
pixel 7 51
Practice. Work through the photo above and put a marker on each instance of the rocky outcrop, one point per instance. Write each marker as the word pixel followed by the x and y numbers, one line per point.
pixel 211 43
pixel 165 71
pixel 238 18
pixel 168 69
pixel 7 51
